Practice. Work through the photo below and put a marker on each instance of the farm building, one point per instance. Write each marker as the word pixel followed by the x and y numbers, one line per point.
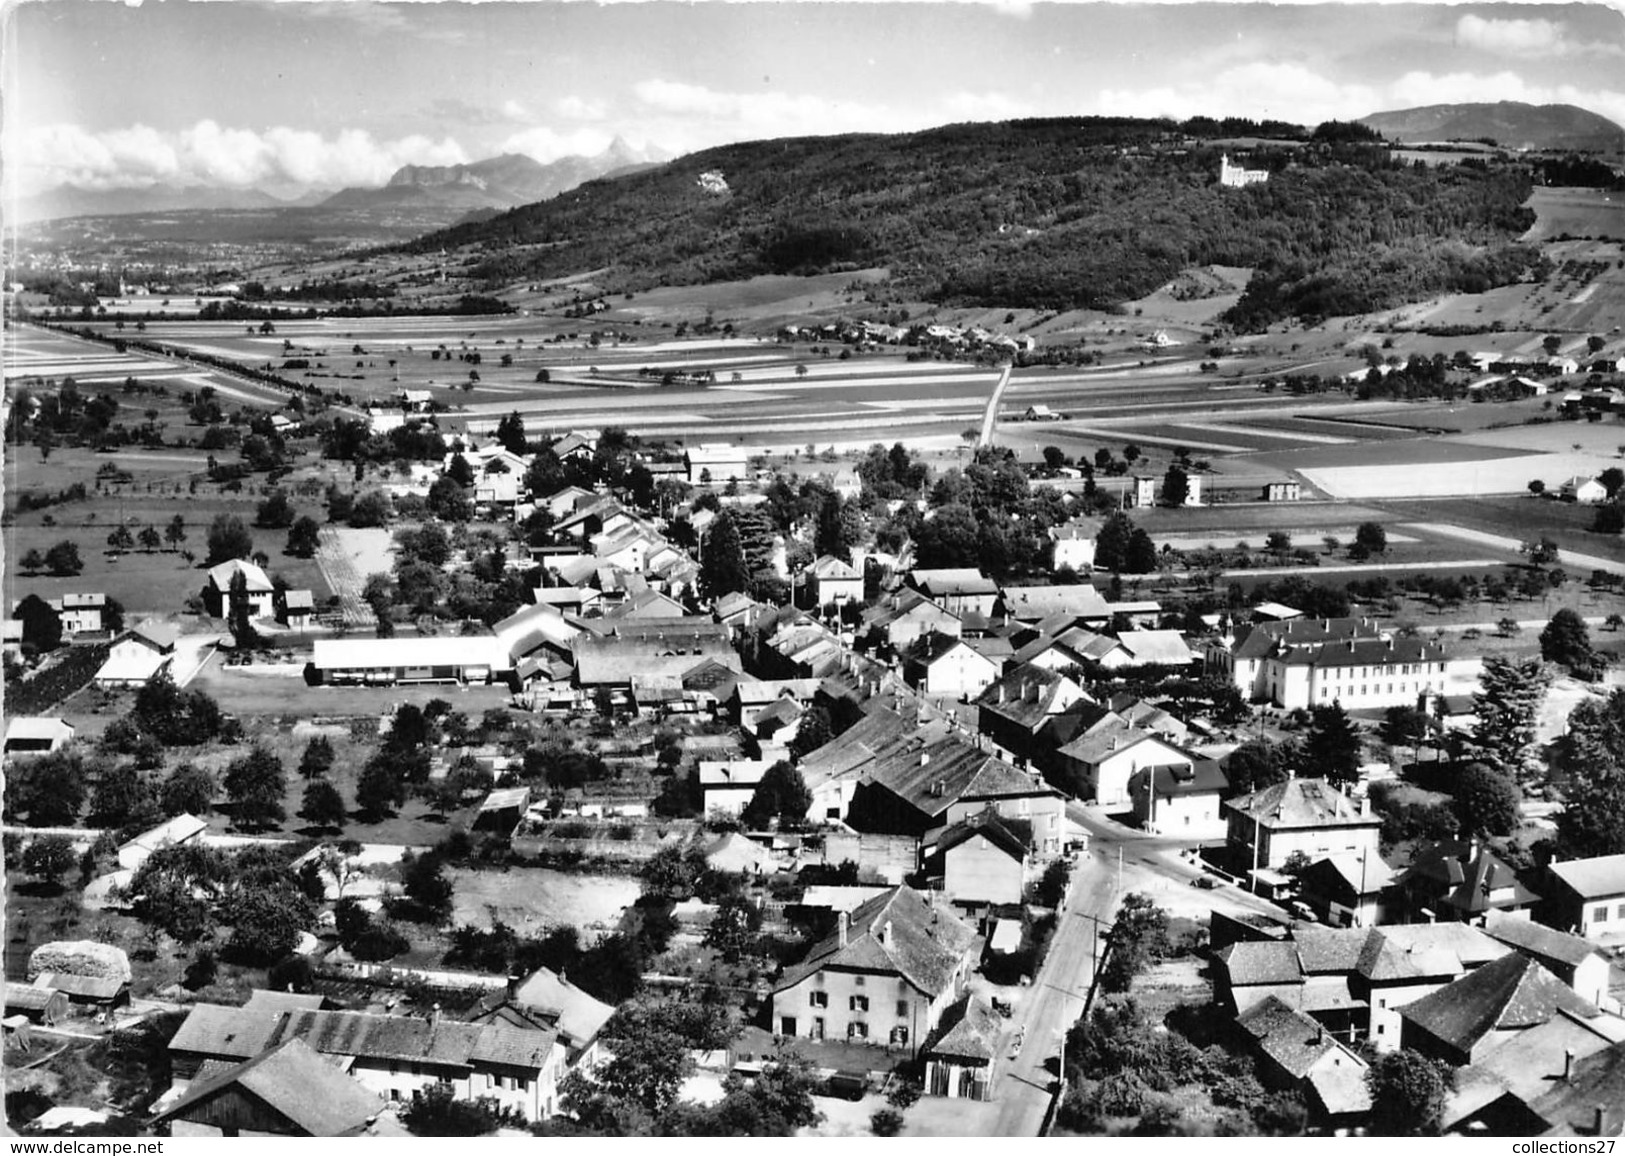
pixel 716 464
pixel 296 609
pixel 81 613
pixel 98 992
pixel 288 1090
pixel 960 1065
pixel 1041 413
pixel 502 810
pixel 138 655
pixel 36 736
pixel 1586 491
pixel 959 591
pixel 383 661
pixel 259 591
pixel 1288 491
pixel 42 1005
pixel 1142 492
pixel 182 828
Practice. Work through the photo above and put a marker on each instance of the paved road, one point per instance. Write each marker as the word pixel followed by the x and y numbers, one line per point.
pixel 990 419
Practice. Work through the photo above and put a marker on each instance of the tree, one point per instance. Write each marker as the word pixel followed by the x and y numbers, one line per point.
pixel 1332 746
pixel 511 434
pixel 62 559
pixel 33 562
pixel 121 539
pixel 1111 544
pixel 1372 537
pixel 1403 726
pixel 1567 640
pixel 1613 480
pixel 379 790
pixel 1278 542
pixel 438 1112
pixel 323 805
pixel 48 857
pixel 423 877
pixel 1487 801
pixel 952 538
pixel 123 798
pixel 267 921
pixel 1139 937
pixel 781 794
pixel 239 613
pixel 1176 486
pixel 49 789
pixel 317 759
pixel 1258 763
pixel 816 729
pixel 449 501
pixel 256 785
pixel 1537 487
pixel 150 539
pixel 1507 703
pixel 1609 519
pixel 838 527
pixel 175 532
pixel 722 559
pixel 304 537
pixel 276 512
pixel 228 539
pixel 189 789
pixel 1051 889
pixel 42 624
pixel 1407 1094
pixel 1540 551
pixel 1142 553
pixel 673 873
pixel 886 1122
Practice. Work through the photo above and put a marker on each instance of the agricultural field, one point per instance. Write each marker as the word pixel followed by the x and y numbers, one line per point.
pixel 1520 517
pixel 1577 213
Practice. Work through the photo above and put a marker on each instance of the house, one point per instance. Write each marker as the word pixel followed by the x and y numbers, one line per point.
pixel 1346 890
pixel 1359 673
pixel 286 1090
pixel 182 828
pixel 501 810
pixel 888 858
pixel 1587 896
pixel 832 582
pixel 753 696
pixel 397 1057
pixel 1484 1008
pixel 982 859
pixel 1146 648
pixel 138 654
pixel 1287 491
pixel 716 464
pixel 1269 826
pixel 1241 659
pixel 961 591
pixel 566 501
pixel 95 993
pixel 36 736
pixel 1236 177
pixel 1180 798
pixel 727 786
pixel 574 445
pixel 81 613
pixel 1072 648
pixel 1102 761
pixel 1081 603
pixel 389 661
pixel 1586 491
pixel 1252 971
pixel 900 618
pixel 39 1005
pixel 258 589
pixel 547 999
pixel 414 400
pixel 945 666
pixel 296 609
pixel 1577 962
pixel 1497 1093
pixel 1021 704
pixel 1075 545
pixel 1462 880
pixel 962 1062
pixel 1296 1052
pixel 886 976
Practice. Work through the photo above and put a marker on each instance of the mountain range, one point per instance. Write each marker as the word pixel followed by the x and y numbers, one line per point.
pixel 1509 123
pixel 418 196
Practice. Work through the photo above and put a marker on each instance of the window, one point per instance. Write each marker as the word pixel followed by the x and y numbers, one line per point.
pixel 1621 913
pixel 899 1035
pixel 1600 914
pixel 902 1004
pixel 498 1082
pixel 857 980
pixel 818 998
pixel 522 1083
pixel 858 1003
pixel 857 1030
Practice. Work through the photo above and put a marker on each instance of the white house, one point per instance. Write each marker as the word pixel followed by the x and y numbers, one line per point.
pixel 831 580
pixel 1586 491
pixel 137 656
pixel 945 666
pixel 81 613
pixel 713 464
pixel 259 590
pixel 1075 545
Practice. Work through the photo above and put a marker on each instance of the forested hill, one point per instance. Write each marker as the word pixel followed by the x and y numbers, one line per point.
pixel 1050 214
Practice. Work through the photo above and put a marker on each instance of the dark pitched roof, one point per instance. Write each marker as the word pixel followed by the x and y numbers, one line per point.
pixel 1302 803
pixel 1293 1040
pixel 926 943
pixel 1327 950
pixel 1260 638
pixel 1251 962
pixel 1511 992
pixel 1546 944
pixel 1202 777
pixel 1025 694
pixel 1570 1107
pixel 931 777
pixel 290 1078
pixel 1466 875
pixel 988 824
pixel 1360 652
pixel 974 1036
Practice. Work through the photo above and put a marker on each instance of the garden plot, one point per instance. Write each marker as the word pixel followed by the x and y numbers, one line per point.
pixel 532 899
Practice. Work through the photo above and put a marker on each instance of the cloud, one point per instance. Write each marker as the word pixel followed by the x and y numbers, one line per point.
pixel 1512 37
pixel 214 154
pixel 548 144
pixel 987 106
pixel 580 108
pixel 765 114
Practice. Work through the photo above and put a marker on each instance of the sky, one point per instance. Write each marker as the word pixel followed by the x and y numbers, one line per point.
pixel 307 94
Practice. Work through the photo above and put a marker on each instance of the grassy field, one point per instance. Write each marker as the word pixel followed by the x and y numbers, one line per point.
pixel 1522 517
pixel 530 899
pixel 1577 212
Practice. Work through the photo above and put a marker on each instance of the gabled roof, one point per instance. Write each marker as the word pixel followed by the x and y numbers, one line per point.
pixel 1156 647
pixel 830 567
pixel 952 581
pixel 1260 638
pixel 1294 1041
pixel 312 1093
pixel 1302 803
pixel 1180 780
pixel 1359 652
pixel 298 600
pixel 1383 960
pixel 1512 992
pixel 1037 603
pixel 905 604
pixel 989 826
pixel 177 829
pixel 1113 737
pixel 925 944
pixel 224 1032
pixel 1252 962
pixel 1026 694
pixel 1466 875
pixel 159 634
pixel 579 1016
pixel 974 1036
pixel 931 777
pixel 933 646
pixel 1546 944
pixel 1329 950
pixel 1601 877
pixel 38 729
pixel 220 576
pixel 1570 1106
pixel 89 986
pixel 1359 877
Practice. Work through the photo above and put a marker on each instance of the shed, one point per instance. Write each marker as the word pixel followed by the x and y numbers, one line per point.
pixel 42 1005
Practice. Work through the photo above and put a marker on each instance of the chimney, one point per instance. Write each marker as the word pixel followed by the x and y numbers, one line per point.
pixel 840 929
pixel 513 987
pixel 434 1014
pixel 1600 1120
pixel 1568 1064
pixel 1320 1033
pixel 885 934
pixel 1001 694
pixel 1365 807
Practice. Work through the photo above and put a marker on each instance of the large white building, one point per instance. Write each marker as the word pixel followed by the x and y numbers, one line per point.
pixel 1235 177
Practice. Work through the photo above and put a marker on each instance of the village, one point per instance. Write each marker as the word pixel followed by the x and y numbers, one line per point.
pixel 634 782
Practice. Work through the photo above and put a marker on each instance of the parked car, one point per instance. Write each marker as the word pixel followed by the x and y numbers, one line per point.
pixel 1205 882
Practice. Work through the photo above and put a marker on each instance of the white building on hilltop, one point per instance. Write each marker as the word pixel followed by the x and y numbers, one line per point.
pixel 1235 177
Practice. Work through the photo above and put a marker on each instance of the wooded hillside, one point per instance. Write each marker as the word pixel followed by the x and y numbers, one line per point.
pixel 1050 214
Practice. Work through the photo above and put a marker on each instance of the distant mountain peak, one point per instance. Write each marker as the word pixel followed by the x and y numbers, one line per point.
pixel 1510 123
